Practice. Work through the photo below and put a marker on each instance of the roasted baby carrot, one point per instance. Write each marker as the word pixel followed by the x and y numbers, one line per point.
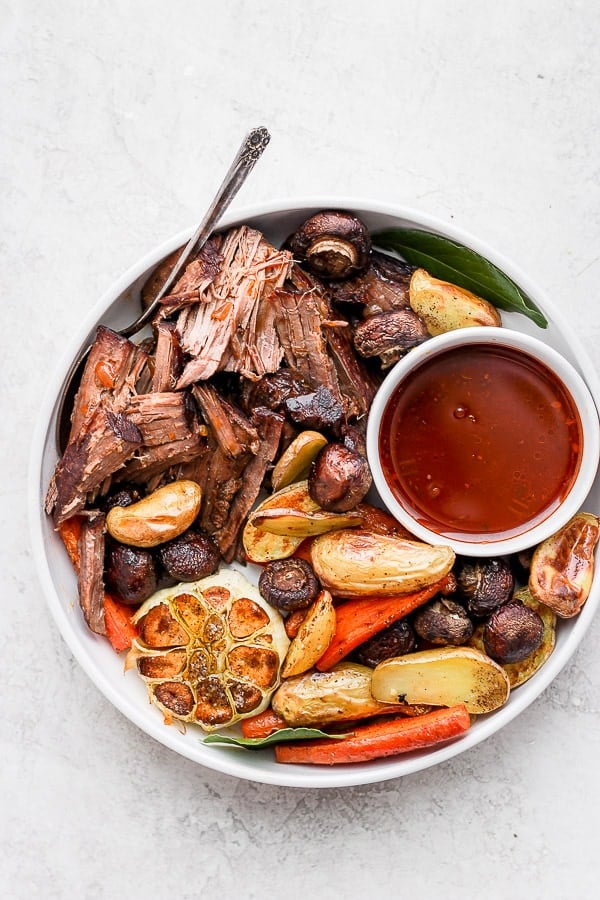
pixel 378 739
pixel 120 630
pixel 70 532
pixel 263 724
pixel 358 620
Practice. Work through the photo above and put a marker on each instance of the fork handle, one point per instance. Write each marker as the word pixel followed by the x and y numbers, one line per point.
pixel 246 158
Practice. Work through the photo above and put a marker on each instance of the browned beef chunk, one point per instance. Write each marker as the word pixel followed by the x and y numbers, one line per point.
pixel 113 366
pixel 272 390
pixel 269 426
pixel 384 286
pixel 168 359
pixel 91 566
pixel 104 444
pixel 230 327
pixel 319 410
pixel 230 428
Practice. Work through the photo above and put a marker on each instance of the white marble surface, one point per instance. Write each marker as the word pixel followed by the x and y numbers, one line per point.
pixel 118 119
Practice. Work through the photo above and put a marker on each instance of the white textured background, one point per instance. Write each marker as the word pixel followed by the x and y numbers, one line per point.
pixel 118 120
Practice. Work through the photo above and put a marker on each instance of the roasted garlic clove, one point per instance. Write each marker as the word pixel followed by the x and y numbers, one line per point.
pixel 562 566
pixel 353 563
pixel 446 307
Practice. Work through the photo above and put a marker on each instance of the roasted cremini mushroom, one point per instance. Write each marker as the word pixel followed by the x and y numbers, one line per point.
pixel 443 622
pixel 484 584
pixel 389 335
pixel 332 244
pixel 288 584
pixel 130 572
pixel 513 632
pixel 191 556
pixel 395 640
pixel 339 478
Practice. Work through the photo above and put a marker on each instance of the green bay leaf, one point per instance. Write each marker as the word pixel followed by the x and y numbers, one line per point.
pixel 278 737
pixel 451 261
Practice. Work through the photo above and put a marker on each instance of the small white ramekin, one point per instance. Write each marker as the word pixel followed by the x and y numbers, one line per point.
pixel 531 534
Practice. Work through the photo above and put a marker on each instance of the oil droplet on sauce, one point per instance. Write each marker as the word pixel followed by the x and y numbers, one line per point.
pixel 480 440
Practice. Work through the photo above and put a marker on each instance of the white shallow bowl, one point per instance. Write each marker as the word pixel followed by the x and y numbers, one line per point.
pixel 119 306
pixel 529 535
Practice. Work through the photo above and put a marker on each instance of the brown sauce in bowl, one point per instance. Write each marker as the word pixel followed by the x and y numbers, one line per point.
pixel 480 441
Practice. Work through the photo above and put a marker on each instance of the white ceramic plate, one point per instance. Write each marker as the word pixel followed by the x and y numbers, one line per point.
pixel 119 306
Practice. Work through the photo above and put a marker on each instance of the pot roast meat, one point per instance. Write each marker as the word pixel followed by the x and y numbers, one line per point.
pixel 197 276
pixel 150 464
pixel 113 367
pixel 231 430
pixel 104 444
pixel 319 345
pixel 299 325
pixel 358 386
pixel 219 332
pixel 318 411
pixel 162 417
pixel 269 426
pixel 168 358
pixel 384 285
pixel 90 578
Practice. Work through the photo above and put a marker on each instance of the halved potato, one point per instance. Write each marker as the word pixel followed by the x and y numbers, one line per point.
pixel 313 638
pixel 353 563
pixel 445 307
pixel 443 676
pixel 562 566
pixel 261 546
pixel 297 523
pixel 342 694
pixel 294 463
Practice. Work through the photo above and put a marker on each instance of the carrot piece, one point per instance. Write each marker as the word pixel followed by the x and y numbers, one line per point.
pixel 120 630
pixel 378 739
pixel 303 551
pixel 358 620
pixel 70 532
pixel 262 724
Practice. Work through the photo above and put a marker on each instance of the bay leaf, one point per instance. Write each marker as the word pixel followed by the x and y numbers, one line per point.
pixel 458 264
